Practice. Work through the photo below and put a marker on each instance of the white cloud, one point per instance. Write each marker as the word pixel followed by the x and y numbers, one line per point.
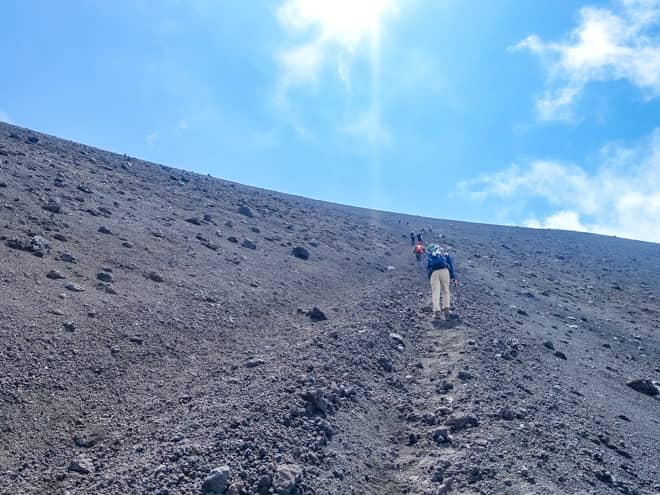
pixel 326 32
pixel 564 220
pixel 557 104
pixel 556 182
pixel 369 126
pixel 152 138
pixel 621 197
pixel 343 72
pixel 4 117
pixel 608 44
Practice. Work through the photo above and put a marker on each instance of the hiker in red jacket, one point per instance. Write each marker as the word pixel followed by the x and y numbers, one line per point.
pixel 419 251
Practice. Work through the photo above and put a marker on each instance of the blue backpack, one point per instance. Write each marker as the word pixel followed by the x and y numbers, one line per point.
pixel 437 261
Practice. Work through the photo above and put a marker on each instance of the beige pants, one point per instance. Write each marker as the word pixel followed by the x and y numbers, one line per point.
pixel 440 283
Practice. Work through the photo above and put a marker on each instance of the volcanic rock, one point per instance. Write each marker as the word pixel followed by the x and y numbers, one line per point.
pixel 316 402
pixel 286 478
pixel 86 440
pixel 53 207
pixel 81 465
pixel 104 277
pixel 465 375
pixel 605 477
pixel 216 481
pixel 68 258
pixel 37 245
pixel 245 210
pixel 441 436
pixel 386 364
pixel 249 244
pixel 300 252
pixel 507 414
pixel 315 314
pixel 460 422
pixel 644 386
pixel 254 362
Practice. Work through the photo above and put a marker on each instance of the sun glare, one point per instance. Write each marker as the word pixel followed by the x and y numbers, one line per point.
pixel 343 21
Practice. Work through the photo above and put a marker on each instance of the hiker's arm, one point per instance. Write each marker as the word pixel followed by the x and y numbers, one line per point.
pixel 450 264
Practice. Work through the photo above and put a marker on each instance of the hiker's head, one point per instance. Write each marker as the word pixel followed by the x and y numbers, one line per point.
pixel 433 248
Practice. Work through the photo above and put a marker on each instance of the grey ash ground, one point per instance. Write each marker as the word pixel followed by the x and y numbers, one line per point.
pixel 158 336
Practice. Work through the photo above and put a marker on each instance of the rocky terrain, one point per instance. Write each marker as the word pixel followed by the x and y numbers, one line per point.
pixel 164 332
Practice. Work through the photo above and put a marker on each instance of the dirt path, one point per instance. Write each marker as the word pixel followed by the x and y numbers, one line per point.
pixel 440 354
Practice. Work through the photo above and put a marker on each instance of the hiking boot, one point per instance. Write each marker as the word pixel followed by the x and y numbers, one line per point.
pixel 438 315
pixel 449 315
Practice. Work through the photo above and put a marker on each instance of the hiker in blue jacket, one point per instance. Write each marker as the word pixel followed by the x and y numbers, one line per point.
pixel 440 270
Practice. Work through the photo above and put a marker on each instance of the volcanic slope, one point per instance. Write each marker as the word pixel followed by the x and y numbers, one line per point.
pixel 157 324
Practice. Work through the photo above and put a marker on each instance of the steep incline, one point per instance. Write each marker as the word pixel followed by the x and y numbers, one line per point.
pixel 155 324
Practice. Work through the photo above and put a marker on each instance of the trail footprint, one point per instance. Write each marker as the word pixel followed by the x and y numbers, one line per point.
pixel 447 324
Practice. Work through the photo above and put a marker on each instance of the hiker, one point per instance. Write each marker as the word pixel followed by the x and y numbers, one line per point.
pixel 412 238
pixel 419 237
pixel 430 230
pixel 440 270
pixel 419 251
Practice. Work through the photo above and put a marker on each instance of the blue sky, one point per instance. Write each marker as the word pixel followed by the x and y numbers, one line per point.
pixel 542 114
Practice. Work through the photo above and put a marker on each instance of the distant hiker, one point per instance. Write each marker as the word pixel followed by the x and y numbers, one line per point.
pixel 412 238
pixel 430 230
pixel 440 270
pixel 419 251
pixel 419 238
